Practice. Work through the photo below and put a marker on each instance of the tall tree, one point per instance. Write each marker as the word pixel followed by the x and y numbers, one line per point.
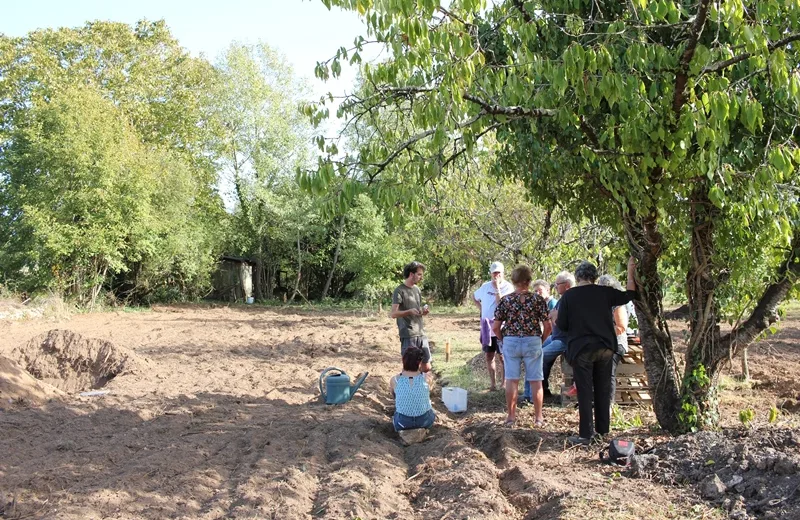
pixel 675 121
pixel 106 178
pixel 262 141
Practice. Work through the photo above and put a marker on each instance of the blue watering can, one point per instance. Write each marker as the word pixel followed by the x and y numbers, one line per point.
pixel 337 389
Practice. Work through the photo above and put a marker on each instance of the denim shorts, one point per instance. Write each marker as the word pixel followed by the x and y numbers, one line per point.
pixel 404 422
pixel 526 349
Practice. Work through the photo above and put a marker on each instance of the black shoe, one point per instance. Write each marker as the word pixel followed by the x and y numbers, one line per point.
pixel 574 440
pixel 523 401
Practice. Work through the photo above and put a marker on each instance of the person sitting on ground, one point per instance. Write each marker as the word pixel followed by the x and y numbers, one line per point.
pixel 519 322
pixel 412 393
pixel 584 313
pixel 542 288
pixel 486 298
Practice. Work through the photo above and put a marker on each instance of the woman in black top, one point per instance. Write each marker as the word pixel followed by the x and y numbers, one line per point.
pixel 584 313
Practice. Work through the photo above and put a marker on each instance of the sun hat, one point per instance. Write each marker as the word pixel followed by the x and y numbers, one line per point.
pixel 495 267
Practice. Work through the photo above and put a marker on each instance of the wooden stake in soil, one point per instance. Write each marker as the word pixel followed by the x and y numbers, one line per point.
pixel 447 350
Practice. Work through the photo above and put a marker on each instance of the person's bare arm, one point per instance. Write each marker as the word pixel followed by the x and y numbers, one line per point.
pixel 548 329
pixel 620 320
pixel 496 324
pixel 477 302
pixel 631 286
pixel 397 313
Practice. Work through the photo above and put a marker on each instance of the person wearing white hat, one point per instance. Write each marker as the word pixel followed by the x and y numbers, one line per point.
pixel 486 299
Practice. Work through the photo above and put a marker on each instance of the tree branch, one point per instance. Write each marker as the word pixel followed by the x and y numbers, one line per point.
pixel 488 108
pixel 410 142
pixel 724 64
pixel 682 77
pixel 788 274
pixel 514 111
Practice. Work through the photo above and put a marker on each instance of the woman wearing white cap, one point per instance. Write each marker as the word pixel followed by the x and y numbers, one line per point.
pixel 486 298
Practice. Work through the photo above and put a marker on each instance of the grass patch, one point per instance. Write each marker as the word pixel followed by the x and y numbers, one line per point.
pixel 134 309
pixel 792 306
pixel 457 372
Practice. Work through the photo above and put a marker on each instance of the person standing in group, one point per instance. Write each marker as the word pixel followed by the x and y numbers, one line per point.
pixel 519 322
pixel 542 288
pixel 408 310
pixel 486 299
pixel 584 313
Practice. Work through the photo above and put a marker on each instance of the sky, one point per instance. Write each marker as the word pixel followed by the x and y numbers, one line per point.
pixel 303 31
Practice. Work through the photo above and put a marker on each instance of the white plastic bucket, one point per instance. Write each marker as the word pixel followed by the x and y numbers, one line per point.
pixel 454 398
pixel 250 300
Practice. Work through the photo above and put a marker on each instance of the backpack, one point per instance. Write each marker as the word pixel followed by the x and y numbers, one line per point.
pixel 619 452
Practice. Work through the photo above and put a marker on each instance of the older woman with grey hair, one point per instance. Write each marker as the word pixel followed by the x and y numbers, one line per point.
pixel 584 313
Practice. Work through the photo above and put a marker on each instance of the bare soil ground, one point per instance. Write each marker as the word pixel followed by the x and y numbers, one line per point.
pixel 214 412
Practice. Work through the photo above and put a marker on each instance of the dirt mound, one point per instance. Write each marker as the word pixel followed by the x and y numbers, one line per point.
pixel 748 473
pixel 19 387
pixel 72 363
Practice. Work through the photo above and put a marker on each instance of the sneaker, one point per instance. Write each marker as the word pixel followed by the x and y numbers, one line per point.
pixel 578 441
pixel 523 401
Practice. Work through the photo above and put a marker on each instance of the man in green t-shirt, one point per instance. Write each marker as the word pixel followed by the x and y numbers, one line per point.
pixel 407 308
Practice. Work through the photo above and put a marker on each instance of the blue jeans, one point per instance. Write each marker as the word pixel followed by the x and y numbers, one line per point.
pixel 518 350
pixel 404 422
pixel 551 349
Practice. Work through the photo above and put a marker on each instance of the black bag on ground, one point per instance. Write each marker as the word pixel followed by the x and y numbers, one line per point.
pixel 619 452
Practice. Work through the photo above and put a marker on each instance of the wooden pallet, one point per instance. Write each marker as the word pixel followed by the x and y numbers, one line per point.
pixel 632 386
pixel 623 397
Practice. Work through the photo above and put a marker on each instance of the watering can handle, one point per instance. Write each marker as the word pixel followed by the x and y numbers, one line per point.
pixel 322 377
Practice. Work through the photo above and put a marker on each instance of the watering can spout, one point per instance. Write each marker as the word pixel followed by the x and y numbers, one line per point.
pixel 359 381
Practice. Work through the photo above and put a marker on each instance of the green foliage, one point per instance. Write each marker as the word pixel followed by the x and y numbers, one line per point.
pixel 620 422
pixel 747 416
pixel 699 401
pixel 375 257
pixel 106 183
pixel 774 413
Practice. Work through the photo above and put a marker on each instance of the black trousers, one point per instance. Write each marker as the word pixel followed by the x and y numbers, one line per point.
pixel 593 373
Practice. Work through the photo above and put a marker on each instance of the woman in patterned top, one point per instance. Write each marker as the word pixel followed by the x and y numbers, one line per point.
pixel 412 393
pixel 519 321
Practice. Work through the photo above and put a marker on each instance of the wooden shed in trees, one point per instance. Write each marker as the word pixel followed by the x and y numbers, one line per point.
pixel 233 280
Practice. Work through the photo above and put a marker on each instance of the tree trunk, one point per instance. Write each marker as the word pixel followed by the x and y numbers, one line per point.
pixel 335 259
pixel 269 270
pixel 299 269
pixel 258 274
pixel 745 366
pixel 659 358
pixel 703 359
